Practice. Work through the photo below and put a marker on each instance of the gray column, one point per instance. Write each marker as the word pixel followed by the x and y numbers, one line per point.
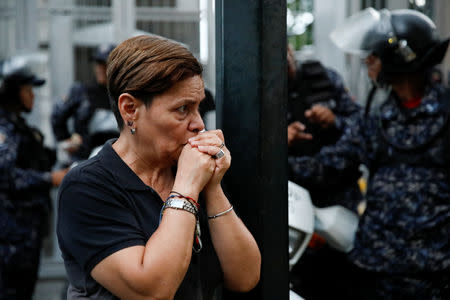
pixel 124 19
pixel 61 54
pixel 327 16
pixel 212 45
pixel 26 26
pixel 251 98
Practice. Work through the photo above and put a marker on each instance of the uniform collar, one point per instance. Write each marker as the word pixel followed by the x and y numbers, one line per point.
pixel 429 105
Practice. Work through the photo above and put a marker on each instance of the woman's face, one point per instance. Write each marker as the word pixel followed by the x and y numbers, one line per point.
pixel 26 96
pixel 373 66
pixel 100 73
pixel 172 118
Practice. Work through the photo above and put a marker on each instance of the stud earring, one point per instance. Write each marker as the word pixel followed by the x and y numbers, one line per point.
pixel 132 129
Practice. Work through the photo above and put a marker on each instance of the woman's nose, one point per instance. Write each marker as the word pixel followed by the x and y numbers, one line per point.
pixel 197 123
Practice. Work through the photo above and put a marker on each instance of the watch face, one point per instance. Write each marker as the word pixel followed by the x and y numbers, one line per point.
pixel 181 204
pixel 177 203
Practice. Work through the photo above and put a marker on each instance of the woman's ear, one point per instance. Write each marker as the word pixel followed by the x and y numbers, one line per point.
pixel 127 105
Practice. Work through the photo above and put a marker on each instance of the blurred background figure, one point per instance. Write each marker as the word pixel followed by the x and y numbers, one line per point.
pixel 401 248
pixel 87 106
pixel 26 177
pixel 320 108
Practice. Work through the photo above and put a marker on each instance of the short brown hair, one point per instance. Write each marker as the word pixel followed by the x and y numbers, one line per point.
pixel 146 66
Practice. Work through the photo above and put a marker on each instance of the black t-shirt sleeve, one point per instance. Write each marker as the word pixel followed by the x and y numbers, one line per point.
pixel 94 222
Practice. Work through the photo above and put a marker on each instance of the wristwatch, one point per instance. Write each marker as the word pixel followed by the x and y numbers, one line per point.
pixel 180 203
pixel 184 204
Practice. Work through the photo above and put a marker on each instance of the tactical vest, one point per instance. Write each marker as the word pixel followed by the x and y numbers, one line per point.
pixel 32 154
pixel 312 85
pixel 389 152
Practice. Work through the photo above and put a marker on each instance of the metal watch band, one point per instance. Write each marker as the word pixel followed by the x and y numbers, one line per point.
pixel 180 203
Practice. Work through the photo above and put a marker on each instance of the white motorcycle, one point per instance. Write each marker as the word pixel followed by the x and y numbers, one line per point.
pixel 336 224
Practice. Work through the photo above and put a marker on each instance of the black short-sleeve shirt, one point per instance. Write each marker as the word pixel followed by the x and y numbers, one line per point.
pixel 104 207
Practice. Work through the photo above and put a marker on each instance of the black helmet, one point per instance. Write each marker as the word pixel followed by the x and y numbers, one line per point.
pixel 16 70
pixel 102 52
pixel 405 40
pixel 14 73
pixel 410 44
pixel 23 76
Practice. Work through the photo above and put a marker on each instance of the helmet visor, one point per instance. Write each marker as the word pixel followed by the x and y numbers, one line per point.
pixel 361 32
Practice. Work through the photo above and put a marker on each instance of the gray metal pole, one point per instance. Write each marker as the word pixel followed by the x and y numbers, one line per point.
pixel 251 98
pixel 26 24
pixel 124 19
pixel 61 58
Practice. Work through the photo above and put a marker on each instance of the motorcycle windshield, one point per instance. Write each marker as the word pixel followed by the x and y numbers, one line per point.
pixel 362 31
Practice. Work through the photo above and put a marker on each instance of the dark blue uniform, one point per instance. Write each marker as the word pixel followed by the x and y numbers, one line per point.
pixel 331 93
pixel 82 104
pixel 402 242
pixel 315 84
pixel 25 182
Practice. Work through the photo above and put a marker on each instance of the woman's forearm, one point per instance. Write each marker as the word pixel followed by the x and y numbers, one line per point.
pixel 156 270
pixel 235 246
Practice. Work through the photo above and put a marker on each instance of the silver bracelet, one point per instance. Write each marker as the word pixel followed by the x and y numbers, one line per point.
pixel 183 204
pixel 221 213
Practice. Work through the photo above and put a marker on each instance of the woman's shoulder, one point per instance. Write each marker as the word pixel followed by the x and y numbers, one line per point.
pixel 91 171
pixel 89 184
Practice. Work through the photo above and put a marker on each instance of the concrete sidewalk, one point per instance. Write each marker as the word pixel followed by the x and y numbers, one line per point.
pixel 50 289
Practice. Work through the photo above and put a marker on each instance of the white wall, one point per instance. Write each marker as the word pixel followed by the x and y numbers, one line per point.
pixel 328 14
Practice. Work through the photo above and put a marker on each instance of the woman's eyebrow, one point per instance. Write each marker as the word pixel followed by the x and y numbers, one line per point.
pixel 186 101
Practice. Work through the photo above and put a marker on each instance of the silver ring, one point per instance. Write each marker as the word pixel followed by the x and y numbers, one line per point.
pixel 222 145
pixel 218 154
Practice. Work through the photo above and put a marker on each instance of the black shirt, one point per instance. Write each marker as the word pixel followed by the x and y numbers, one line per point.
pixel 104 207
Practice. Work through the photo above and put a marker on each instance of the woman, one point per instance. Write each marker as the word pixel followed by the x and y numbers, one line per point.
pixel 128 218
pixel 25 182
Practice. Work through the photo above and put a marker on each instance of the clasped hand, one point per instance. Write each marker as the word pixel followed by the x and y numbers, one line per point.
pixel 196 164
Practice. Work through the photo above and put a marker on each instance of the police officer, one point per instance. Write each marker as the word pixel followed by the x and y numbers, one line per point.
pixel 402 249
pixel 25 182
pixel 88 105
pixel 319 109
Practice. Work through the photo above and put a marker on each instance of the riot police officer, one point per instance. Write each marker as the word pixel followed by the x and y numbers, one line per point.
pixel 319 110
pixel 25 181
pixel 88 105
pixel 401 249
